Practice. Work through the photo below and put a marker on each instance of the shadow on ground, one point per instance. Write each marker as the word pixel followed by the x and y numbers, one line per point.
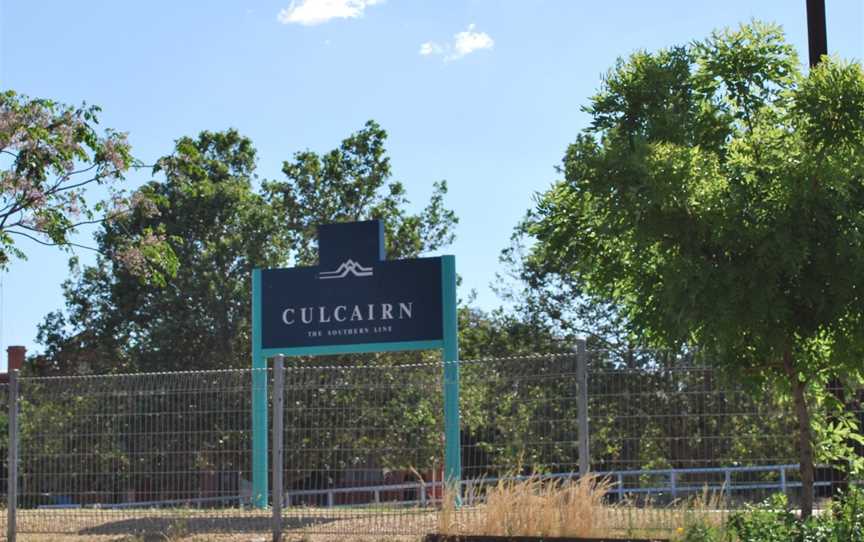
pixel 193 525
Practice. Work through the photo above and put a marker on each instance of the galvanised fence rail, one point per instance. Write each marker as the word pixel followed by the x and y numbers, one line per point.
pixel 359 450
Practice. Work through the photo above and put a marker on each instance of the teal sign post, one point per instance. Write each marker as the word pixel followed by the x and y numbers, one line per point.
pixel 354 301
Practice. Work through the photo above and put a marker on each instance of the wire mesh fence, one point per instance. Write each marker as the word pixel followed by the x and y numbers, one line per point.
pixel 661 434
pixel 360 444
pixel 668 429
pixel 519 416
pixel 108 454
pixel 363 446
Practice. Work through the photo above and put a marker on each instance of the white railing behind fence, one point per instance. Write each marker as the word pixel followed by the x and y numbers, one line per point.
pixel 426 490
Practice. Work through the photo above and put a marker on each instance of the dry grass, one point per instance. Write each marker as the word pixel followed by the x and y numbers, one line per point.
pixel 549 508
pixel 532 507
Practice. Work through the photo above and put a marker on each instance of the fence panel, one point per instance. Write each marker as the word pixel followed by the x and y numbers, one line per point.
pixel 668 429
pixel 165 452
pixel 363 447
pixel 519 416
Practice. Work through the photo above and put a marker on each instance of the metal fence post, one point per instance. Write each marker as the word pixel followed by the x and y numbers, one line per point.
pixel 278 411
pixel 783 479
pixel 727 481
pixel 582 405
pixel 12 481
pixel 673 483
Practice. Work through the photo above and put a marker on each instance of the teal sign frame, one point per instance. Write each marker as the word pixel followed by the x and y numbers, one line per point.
pixel 448 343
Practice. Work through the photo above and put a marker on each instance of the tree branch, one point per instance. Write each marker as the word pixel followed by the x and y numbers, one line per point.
pixel 70 227
pixel 51 243
pixel 16 205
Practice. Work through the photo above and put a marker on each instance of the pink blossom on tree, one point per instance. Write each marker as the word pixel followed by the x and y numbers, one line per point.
pixel 50 154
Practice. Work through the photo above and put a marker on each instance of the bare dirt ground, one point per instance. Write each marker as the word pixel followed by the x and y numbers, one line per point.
pixel 226 537
pixel 308 525
pixel 299 524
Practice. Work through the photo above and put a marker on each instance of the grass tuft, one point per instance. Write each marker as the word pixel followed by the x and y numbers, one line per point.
pixel 535 506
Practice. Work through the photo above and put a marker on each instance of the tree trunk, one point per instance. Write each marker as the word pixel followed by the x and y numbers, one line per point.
pixel 805 436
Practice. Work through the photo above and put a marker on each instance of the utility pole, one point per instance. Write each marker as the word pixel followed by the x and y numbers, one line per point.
pixel 817 35
pixel 817 44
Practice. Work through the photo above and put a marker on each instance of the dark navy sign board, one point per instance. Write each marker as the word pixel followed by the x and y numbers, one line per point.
pixel 353 296
pixel 399 302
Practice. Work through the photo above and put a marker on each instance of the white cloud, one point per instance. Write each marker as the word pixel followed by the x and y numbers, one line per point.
pixel 468 41
pixel 312 12
pixel 464 43
pixel 430 48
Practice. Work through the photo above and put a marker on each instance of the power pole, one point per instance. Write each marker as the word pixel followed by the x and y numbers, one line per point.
pixel 817 35
pixel 817 44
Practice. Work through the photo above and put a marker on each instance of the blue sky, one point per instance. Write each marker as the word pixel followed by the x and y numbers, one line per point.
pixel 482 93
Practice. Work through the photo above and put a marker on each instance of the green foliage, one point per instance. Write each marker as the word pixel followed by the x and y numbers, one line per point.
pixel 838 435
pixel 52 153
pixel 218 227
pixel 716 201
pixel 714 239
pixel 772 521
pixel 845 519
pixel 701 531
pixel 500 334
pixel 349 183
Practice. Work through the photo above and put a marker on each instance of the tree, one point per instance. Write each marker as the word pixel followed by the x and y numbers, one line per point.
pixel 220 228
pixel 353 183
pixel 545 298
pixel 53 155
pixel 484 335
pixel 717 199
pixel 217 228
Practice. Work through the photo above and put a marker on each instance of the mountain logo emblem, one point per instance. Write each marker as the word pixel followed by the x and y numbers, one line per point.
pixel 346 268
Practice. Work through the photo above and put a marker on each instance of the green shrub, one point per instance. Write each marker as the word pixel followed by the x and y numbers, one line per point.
pixel 703 532
pixel 772 521
pixel 842 522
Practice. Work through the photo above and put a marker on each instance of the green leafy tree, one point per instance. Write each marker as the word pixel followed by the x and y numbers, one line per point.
pixel 50 155
pixel 499 333
pixel 717 199
pixel 217 227
pixel 545 298
pixel 350 183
